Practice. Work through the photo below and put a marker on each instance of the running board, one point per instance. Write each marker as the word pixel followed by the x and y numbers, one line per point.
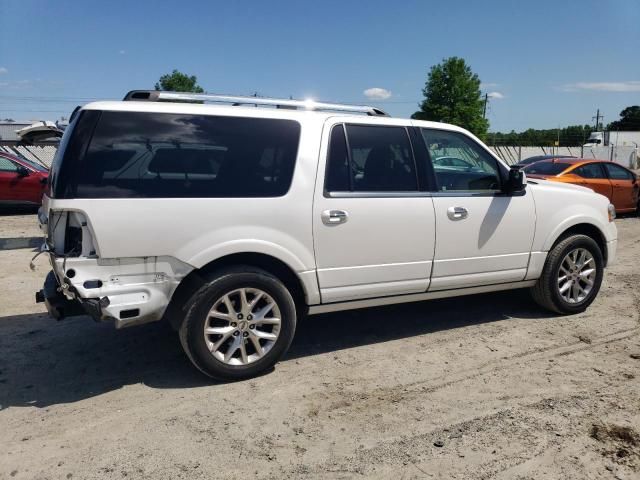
pixel 416 297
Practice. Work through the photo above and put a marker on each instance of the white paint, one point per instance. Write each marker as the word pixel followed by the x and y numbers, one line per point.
pixel 389 247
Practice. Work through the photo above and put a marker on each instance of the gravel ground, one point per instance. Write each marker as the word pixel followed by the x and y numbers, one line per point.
pixel 477 387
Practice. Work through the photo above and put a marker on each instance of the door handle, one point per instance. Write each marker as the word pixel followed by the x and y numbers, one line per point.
pixel 457 213
pixel 334 217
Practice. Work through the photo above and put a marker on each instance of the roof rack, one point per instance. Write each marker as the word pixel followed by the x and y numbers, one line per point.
pixel 155 96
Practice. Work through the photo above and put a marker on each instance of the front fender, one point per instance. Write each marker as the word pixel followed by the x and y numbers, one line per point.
pixel 568 223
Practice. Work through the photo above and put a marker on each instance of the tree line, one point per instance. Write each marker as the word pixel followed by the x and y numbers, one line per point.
pixel 452 94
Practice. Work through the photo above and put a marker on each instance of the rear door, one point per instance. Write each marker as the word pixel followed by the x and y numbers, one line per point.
pixel 373 221
pixel 483 235
pixel 625 187
pixel 593 176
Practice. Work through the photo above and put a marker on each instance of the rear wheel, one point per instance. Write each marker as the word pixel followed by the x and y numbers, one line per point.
pixel 571 277
pixel 239 324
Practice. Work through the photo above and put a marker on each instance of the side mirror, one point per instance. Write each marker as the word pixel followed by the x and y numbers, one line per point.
pixel 22 171
pixel 516 182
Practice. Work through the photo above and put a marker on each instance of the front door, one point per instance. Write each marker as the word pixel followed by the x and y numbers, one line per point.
pixel 593 176
pixel 484 237
pixel 373 223
pixel 13 187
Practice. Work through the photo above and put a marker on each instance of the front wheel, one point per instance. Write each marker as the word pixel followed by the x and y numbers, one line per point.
pixel 239 324
pixel 571 277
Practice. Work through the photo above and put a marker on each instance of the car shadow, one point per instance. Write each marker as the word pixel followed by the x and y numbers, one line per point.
pixel 44 362
pixel 11 210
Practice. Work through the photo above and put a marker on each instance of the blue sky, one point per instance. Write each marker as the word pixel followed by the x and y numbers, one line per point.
pixel 551 62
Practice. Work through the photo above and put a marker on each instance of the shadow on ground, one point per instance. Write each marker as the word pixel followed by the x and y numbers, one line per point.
pixel 9 210
pixel 44 362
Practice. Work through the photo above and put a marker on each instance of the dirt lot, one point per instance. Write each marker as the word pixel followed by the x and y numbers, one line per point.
pixel 476 387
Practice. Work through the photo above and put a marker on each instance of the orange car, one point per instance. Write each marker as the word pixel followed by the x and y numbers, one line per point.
pixel 618 184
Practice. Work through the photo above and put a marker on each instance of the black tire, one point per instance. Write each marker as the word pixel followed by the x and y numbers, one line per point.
pixel 191 330
pixel 546 292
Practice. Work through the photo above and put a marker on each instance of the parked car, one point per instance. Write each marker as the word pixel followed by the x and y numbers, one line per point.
pixel 537 158
pixel 454 163
pixel 234 222
pixel 41 131
pixel 617 183
pixel 22 182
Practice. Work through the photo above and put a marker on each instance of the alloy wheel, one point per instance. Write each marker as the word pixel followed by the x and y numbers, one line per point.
pixel 576 275
pixel 242 326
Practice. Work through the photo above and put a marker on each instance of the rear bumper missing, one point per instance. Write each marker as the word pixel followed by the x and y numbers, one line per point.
pixel 129 291
pixel 57 304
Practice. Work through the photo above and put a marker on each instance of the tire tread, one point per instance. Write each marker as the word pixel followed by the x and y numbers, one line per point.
pixel 541 291
pixel 199 296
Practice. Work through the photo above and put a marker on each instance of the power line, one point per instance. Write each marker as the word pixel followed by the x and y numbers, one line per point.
pixel 597 119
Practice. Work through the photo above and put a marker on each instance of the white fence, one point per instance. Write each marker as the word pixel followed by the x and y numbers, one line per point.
pixel 626 156
pixel 42 154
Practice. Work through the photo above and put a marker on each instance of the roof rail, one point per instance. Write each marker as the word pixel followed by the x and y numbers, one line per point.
pixel 155 96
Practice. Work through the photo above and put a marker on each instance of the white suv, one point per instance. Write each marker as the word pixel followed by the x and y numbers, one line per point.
pixel 234 219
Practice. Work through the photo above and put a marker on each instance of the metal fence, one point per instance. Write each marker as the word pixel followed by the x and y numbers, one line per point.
pixel 625 156
pixel 42 153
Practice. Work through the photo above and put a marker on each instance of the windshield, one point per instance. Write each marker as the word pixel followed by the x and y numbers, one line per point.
pixel 546 168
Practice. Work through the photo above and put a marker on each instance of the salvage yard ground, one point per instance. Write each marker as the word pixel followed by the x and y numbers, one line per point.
pixel 476 387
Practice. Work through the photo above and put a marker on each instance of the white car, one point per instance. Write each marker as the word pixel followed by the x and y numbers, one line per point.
pixel 234 217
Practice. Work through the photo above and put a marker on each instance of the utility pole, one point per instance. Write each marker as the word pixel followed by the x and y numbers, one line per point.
pixel 597 119
pixel 484 110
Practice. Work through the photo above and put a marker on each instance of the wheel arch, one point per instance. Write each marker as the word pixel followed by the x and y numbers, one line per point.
pixel 196 278
pixel 583 228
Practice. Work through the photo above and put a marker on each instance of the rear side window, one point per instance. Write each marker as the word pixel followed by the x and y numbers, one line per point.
pixel 370 159
pixel 618 173
pixel 160 155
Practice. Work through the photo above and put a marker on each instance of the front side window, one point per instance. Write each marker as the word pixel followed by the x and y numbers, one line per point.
pixel 162 155
pixel 7 165
pixel 617 173
pixel 459 163
pixel 370 159
pixel 590 170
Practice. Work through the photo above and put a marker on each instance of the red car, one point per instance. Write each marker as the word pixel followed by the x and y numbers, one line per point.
pixel 22 182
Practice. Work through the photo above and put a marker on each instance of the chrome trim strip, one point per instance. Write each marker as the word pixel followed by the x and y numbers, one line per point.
pixel 416 297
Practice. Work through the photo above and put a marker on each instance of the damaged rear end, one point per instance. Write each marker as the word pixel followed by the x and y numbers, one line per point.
pixel 126 291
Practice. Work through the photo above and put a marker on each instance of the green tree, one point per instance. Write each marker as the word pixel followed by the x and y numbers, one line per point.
pixel 629 120
pixel 570 136
pixel 452 95
pixel 178 82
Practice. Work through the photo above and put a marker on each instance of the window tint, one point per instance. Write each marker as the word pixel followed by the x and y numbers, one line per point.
pixel 590 170
pixel 337 178
pixel 546 168
pixel 378 159
pixel 617 173
pixel 180 155
pixel 459 163
pixel 7 165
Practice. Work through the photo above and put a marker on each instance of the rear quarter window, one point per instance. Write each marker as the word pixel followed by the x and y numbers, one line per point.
pixel 161 155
